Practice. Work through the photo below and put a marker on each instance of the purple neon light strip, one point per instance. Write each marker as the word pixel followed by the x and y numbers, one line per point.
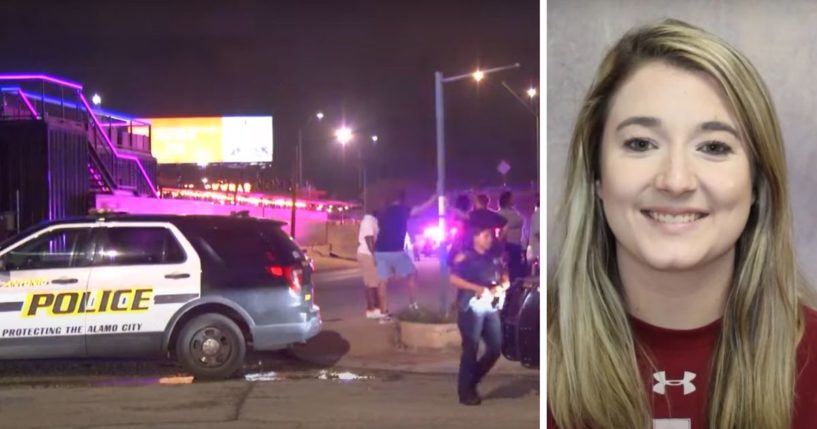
pixel 125 125
pixel 113 149
pixel 54 101
pixel 28 104
pixel 78 87
pixel 40 77
pixel 128 122
pixel 114 115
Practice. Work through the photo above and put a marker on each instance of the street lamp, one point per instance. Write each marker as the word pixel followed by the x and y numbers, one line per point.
pixel 363 167
pixel 529 106
pixel 344 135
pixel 299 152
pixel 96 99
pixel 439 80
pixel 296 181
pixel 531 92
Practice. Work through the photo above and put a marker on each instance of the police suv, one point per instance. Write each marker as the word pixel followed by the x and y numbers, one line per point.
pixel 200 288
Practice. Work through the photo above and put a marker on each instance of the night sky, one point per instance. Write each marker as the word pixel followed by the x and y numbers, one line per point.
pixel 370 62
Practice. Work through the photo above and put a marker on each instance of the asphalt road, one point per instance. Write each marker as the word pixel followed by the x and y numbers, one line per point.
pixel 277 389
pixel 376 401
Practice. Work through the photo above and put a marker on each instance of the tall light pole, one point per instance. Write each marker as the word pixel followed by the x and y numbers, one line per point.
pixel 364 166
pixel 439 80
pixel 300 153
pixel 344 135
pixel 298 178
pixel 530 107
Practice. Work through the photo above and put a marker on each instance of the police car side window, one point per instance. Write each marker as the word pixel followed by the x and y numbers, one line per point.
pixel 243 254
pixel 139 246
pixel 61 248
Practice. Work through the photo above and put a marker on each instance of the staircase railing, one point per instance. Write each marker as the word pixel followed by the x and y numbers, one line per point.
pixel 104 162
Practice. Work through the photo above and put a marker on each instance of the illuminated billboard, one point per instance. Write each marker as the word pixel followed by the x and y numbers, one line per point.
pixel 206 140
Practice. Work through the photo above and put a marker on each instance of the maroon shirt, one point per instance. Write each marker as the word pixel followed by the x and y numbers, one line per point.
pixel 680 381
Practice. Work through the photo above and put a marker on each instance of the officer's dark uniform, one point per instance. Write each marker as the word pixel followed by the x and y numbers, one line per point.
pixel 476 322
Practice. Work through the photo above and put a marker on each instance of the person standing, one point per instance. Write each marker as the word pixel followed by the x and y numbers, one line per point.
pixel 511 235
pixel 478 276
pixel 533 240
pixel 390 256
pixel 482 215
pixel 459 225
pixel 367 236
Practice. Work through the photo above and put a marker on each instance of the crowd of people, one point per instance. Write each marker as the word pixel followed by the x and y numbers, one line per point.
pixel 486 255
pixel 384 254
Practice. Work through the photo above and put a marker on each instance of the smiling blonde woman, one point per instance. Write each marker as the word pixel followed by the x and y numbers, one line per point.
pixel 676 302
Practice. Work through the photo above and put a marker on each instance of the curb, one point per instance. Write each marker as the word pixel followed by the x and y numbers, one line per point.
pixel 343 258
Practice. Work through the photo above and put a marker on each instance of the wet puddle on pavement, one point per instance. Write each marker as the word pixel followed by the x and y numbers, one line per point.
pixel 267 376
pixel 181 379
pixel 100 373
pixel 342 376
pixel 320 375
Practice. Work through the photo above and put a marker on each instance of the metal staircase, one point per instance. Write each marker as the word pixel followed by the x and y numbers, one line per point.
pixel 41 97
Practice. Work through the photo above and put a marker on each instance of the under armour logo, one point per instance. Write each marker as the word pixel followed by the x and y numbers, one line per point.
pixel 661 386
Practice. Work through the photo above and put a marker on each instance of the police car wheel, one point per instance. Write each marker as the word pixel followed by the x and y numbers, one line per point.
pixel 211 346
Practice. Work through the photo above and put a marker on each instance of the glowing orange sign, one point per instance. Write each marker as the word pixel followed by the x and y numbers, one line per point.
pixel 239 139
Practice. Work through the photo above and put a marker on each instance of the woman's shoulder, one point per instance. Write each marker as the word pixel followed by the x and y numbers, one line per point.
pixel 807 349
pixel 811 313
pixel 808 343
pixel 810 324
pixel 805 409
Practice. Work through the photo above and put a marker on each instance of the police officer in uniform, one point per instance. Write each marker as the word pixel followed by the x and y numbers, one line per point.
pixel 480 280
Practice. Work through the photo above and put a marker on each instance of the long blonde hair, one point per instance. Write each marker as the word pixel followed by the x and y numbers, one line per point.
pixel 593 374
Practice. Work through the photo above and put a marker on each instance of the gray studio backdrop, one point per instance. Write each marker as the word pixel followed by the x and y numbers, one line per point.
pixel 780 38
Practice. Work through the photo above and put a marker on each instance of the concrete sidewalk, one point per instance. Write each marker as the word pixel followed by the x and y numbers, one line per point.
pixel 374 346
pixel 360 343
pixel 325 262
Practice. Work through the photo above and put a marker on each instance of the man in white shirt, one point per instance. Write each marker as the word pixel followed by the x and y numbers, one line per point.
pixel 375 297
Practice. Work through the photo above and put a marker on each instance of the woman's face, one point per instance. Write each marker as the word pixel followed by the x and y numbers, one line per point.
pixel 483 240
pixel 675 182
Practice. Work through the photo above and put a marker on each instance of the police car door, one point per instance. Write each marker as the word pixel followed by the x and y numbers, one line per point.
pixel 143 273
pixel 42 280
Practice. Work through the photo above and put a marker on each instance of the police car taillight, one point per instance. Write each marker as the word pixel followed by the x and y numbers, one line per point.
pixel 294 276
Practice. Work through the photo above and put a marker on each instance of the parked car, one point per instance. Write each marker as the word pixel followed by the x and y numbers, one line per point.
pixel 202 289
pixel 520 322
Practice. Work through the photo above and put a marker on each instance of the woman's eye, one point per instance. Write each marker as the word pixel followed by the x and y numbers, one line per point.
pixel 638 145
pixel 715 148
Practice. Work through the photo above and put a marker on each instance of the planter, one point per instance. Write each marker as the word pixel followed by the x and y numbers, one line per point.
pixel 429 335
